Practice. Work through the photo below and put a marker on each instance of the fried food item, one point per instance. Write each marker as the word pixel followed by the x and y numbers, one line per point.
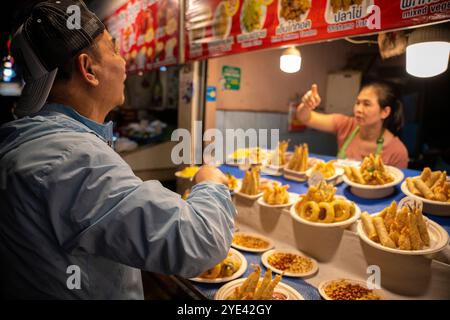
pixel 369 227
pixel 279 156
pixel 337 5
pixel 342 290
pixel 249 285
pixel 431 185
pixel 226 268
pixel 232 181
pixel 251 181
pixel 299 161
pixel 343 209
pixel 319 205
pixel 424 189
pixel 383 233
pixel 310 211
pixel 186 194
pixel 255 289
pixel 252 14
pixel 326 214
pixel 403 229
pixel 371 172
pixel 189 172
pixel 293 9
pixel 276 195
pixel 326 169
pixel 290 262
pixel 264 284
pixel 250 241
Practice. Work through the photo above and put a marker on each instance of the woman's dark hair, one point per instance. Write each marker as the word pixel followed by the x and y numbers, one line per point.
pixel 388 97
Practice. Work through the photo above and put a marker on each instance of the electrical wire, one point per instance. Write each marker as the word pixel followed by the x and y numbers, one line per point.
pixel 360 41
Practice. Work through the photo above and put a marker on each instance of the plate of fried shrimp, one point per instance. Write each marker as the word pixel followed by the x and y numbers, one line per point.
pixel 255 287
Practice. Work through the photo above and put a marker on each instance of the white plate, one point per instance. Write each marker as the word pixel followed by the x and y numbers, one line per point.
pixel 270 242
pixel 302 16
pixel 292 198
pixel 262 18
pixel 437 208
pixel 375 191
pixel 329 15
pixel 235 275
pixel 342 224
pixel 272 170
pixel 363 284
pixel 438 239
pixel 247 196
pixel 300 175
pixel 265 262
pixel 228 289
pixel 333 179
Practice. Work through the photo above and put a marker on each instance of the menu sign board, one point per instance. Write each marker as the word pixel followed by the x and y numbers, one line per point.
pixel 146 32
pixel 219 27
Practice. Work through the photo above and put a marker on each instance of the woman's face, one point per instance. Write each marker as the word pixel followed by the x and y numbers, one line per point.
pixel 367 110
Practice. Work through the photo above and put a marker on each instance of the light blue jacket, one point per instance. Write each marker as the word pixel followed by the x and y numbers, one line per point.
pixel 68 199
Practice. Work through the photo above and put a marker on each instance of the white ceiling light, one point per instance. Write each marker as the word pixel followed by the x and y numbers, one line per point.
pixel 290 60
pixel 428 51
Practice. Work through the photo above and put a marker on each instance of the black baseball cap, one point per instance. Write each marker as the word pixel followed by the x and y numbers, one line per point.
pixel 54 32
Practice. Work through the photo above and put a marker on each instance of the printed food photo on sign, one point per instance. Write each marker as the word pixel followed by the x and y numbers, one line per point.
pixel 293 10
pixel 222 22
pixel 338 11
pixel 197 25
pixel 253 15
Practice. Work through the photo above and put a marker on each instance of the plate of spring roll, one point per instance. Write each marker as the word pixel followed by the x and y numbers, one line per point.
pixel 433 188
pixel 402 229
pixel 373 179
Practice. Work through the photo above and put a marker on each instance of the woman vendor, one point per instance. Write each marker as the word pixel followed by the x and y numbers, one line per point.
pixel 376 122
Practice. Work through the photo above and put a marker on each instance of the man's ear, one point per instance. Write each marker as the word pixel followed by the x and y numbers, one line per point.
pixel 385 112
pixel 85 65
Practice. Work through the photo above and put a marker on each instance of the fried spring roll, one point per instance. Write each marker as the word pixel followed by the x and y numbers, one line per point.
pixel 383 233
pixel 422 187
pixel 357 175
pixel 434 176
pixel 425 175
pixel 412 188
pixel 368 226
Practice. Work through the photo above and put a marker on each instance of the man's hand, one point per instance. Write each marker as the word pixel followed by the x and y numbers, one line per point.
pixel 310 101
pixel 211 174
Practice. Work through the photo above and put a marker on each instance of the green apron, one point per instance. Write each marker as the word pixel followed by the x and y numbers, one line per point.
pixel 342 152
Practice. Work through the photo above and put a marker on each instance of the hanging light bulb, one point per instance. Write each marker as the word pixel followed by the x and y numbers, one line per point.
pixel 428 51
pixel 290 60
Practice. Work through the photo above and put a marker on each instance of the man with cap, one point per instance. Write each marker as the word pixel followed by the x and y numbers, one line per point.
pixel 75 222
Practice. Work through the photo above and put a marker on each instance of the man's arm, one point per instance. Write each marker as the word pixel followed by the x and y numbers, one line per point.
pixel 98 206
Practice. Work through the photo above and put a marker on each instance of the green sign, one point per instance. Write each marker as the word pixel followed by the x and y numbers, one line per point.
pixel 232 77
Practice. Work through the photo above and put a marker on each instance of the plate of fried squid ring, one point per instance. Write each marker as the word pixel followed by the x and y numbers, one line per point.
pixel 339 212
